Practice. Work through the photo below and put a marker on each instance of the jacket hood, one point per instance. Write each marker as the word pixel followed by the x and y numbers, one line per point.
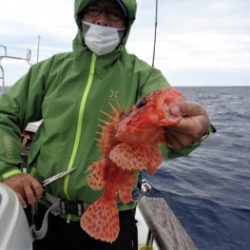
pixel 130 6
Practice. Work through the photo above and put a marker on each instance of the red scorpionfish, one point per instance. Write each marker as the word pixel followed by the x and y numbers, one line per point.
pixel 128 143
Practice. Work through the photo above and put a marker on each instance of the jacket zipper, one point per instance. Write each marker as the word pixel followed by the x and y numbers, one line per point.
pixel 80 123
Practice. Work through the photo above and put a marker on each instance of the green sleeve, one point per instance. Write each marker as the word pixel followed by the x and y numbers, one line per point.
pixel 169 152
pixel 20 105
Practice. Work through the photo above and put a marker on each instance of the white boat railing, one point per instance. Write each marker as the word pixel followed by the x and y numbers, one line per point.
pixel 4 55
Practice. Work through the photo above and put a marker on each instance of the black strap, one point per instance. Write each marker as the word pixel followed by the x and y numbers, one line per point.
pixel 66 206
pixel 72 207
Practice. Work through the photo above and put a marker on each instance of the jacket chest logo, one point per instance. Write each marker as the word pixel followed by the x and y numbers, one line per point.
pixel 113 94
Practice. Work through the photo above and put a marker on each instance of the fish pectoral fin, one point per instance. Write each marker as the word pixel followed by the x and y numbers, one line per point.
pixel 125 190
pixel 96 178
pixel 136 157
pixel 154 159
pixel 128 157
pixel 101 221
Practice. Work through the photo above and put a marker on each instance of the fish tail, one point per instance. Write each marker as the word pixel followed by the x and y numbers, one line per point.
pixel 101 220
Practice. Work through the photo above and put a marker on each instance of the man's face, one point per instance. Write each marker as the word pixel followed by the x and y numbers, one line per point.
pixel 105 13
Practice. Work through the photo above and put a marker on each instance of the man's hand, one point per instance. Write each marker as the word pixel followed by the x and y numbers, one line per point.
pixel 27 188
pixel 192 126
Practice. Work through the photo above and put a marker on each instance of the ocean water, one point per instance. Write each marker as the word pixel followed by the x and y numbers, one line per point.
pixel 209 191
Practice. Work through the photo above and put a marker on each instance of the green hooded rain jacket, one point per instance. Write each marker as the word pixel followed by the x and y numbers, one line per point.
pixel 67 91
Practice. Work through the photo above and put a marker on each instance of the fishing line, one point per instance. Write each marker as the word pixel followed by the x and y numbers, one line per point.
pixel 155 35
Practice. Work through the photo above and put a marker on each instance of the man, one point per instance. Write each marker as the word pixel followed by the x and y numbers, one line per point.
pixel 67 92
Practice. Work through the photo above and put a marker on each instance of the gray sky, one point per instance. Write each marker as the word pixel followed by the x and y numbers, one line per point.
pixel 199 42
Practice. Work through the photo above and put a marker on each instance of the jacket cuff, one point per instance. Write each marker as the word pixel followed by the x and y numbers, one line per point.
pixel 211 130
pixel 10 172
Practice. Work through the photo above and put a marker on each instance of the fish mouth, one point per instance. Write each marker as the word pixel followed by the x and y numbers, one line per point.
pixel 141 102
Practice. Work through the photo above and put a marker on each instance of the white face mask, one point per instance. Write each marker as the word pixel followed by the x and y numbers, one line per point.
pixel 101 39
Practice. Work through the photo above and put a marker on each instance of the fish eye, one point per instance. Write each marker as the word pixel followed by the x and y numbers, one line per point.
pixel 141 102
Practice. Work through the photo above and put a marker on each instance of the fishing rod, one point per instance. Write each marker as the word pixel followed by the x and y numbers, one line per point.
pixel 155 33
pixel 38 48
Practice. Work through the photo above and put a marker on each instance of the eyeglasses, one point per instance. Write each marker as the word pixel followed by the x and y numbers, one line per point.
pixel 112 14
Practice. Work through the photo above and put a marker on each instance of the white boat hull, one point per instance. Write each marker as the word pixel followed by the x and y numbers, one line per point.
pixel 15 233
